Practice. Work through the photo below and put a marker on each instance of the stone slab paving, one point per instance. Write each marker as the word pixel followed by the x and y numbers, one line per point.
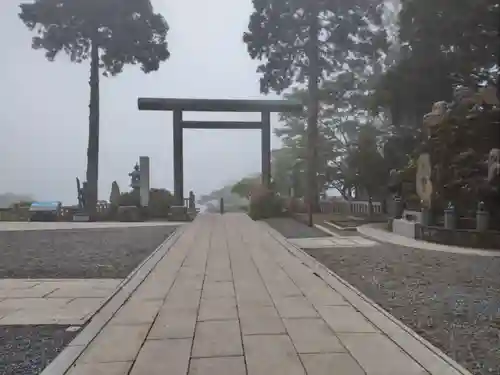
pixel 332 242
pixel 49 301
pixel 232 297
pixel 35 225
pixel 377 232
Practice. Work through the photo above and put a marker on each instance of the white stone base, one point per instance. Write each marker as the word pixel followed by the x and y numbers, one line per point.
pixel 332 242
pixel 404 228
pixel 81 218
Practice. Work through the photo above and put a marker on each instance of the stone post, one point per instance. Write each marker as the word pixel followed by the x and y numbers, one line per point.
pixel 449 217
pixel 397 205
pixel 425 218
pixel 192 201
pixel 266 149
pixel 349 206
pixel 370 207
pixel 178 159
pixel 144 169
pixel 482 218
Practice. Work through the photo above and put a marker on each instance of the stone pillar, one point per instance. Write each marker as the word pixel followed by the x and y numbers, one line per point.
pixel 482 218
pixel 266 148
pixel 396 209
pixel 425 217
pixel 178 160
pixel 449 217
pixel 192 201
pixel 144 181
pixel 370 206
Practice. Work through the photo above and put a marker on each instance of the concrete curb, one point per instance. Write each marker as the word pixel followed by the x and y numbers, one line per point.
pixel 339 227
pixel 429 363
pixel 326 230
pixel 371 231
pixel 62 363
pixel 25 226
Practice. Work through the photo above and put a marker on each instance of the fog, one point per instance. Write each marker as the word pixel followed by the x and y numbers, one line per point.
pixel 44 107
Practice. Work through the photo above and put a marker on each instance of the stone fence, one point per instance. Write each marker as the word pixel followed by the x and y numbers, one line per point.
pixel 344 207
pixel 489 239
pixel 338 206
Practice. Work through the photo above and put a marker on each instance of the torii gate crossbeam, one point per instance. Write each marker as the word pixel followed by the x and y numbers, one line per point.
pixel 178 106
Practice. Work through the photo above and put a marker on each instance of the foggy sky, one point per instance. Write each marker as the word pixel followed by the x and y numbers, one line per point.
pixel 44 107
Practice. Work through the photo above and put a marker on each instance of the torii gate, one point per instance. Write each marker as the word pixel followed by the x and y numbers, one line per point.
pixel 265 107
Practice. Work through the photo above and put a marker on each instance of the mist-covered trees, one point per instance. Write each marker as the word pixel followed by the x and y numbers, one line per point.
pixel 305 42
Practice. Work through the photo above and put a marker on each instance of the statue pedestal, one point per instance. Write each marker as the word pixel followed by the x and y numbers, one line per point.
pixel 425 216
pixel 81 217
pixel 405 228
pixel 396 210
pixel 129 214
pixel 482 221
pixel 449 219
pixel 179 213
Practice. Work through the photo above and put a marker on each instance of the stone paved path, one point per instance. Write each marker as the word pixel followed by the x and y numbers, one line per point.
pixel 331 242
pixel 376 232
pixel 232 297
pixel 50 301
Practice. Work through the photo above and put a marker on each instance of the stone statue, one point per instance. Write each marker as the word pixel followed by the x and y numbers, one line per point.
pixel 81 193
pixel 462 96
pixel 494 168
pixel 135 177
pixel 435 117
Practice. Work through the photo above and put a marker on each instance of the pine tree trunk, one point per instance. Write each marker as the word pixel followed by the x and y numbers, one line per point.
pixel 313 109
pixel 93 142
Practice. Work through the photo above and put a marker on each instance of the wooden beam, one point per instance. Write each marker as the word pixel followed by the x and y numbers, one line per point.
pixel 217 105
pixel 266 149
pixel 221 125
pixel 178 160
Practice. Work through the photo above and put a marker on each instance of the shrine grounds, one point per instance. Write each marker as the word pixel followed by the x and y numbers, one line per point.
pixel 452 300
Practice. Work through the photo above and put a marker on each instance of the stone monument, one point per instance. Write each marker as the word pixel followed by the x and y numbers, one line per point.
pixel 144 179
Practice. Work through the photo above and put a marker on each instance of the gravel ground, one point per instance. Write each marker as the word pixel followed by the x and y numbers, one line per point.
pixel 27 350
pixel 452 300
pixel 80 253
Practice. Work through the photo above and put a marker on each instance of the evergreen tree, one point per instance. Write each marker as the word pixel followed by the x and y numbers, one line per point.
pixel 305 41
pixel 109 33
